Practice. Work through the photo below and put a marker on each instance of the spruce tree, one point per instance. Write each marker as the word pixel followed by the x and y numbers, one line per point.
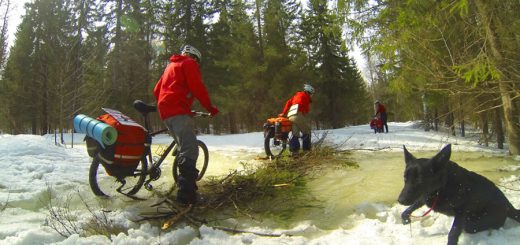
pixel 341 96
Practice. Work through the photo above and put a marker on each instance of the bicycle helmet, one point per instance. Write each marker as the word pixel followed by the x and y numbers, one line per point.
pixel 188 49
pixel 308 88
pixel 376 102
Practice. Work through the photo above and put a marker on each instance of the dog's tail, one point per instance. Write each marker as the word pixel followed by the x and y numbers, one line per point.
pixel 514 214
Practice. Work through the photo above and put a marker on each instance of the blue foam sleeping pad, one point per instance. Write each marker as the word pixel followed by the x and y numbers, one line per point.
pixel 103 133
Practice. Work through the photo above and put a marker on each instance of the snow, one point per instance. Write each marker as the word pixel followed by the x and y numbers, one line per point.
pixel 31 165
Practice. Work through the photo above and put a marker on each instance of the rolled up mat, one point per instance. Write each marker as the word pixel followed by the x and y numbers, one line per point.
pixel 103 133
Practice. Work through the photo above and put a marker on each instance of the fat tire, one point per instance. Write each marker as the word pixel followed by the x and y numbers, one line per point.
pixel 93 177
pixel 267 147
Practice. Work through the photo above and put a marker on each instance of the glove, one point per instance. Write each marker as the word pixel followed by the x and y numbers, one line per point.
pixel 213 110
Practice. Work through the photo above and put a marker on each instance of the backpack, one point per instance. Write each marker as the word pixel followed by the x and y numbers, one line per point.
pixel 121 158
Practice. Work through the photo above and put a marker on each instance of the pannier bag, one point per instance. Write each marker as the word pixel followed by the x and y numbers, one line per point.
pixel 281 125
pixel 122 157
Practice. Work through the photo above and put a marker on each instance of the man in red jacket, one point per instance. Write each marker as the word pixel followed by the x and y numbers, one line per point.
pixel 296 109
pixel 175 91
pixel 381 114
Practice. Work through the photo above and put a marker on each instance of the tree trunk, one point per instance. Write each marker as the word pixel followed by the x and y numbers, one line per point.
pixel 510 120
pixel 497 125
pixel 450 122
pixel 436 120
pixel 78 63
pixel 259 26
pixel 462 123
pixel 117 43
pixel 44 108
pixel 485 128
pixel 232 123
pixel 426 114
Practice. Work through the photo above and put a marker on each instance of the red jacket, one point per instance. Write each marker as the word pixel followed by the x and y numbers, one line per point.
pixel 380 108
pixel 180 83
pixel 303 100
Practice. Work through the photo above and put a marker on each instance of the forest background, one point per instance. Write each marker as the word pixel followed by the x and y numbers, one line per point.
pixel 445 62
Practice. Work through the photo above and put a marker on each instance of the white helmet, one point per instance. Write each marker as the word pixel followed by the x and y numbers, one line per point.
pixel 308 88
pixel 192 50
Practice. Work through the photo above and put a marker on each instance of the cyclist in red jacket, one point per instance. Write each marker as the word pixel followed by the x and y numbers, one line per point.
pixel 296 109
pixel 175 91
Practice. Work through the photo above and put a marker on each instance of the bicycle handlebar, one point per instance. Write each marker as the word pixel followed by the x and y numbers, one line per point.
pixel 200 114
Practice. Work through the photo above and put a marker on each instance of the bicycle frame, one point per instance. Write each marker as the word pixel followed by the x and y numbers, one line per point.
pixel 148 149
pixel 153 171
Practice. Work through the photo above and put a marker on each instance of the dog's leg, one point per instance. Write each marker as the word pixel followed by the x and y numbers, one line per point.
pixel 456 229
pixel 406 214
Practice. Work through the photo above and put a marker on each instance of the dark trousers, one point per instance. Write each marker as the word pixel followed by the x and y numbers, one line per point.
pixel 187 180
pixel 294 143
pixel 181 128
pixel 384 119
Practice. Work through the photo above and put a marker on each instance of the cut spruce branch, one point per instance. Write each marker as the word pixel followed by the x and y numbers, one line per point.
pixel 243 193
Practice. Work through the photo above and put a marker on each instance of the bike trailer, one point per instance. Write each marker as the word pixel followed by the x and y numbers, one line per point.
pixel 122 157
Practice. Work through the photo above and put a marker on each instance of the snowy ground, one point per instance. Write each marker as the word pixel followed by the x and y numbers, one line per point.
pixel 31 164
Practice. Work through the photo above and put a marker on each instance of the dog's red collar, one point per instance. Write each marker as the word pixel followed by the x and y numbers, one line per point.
pixel 434 204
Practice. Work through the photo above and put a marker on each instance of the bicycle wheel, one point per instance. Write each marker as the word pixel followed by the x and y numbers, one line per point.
pixel 274 147
pixel 201 165
pixel 105 185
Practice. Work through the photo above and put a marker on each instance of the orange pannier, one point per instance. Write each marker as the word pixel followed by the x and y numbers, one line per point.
pixel 284 122
pixel 129 147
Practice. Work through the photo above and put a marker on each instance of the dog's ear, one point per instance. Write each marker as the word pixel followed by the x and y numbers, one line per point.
pixel 442 157
pixel 408 157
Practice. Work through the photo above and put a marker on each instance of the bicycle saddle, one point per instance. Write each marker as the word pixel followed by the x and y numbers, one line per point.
pixel 144 108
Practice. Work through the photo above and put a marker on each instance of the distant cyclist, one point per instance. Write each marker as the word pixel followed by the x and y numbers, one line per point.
pixel 296 109
pixel 175 91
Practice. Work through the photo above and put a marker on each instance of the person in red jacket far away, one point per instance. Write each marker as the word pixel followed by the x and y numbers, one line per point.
pixel 296 109
pixel 381 114
pixel 175 91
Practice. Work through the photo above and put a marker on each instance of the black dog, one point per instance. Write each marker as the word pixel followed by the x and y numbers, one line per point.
pixel 447 188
